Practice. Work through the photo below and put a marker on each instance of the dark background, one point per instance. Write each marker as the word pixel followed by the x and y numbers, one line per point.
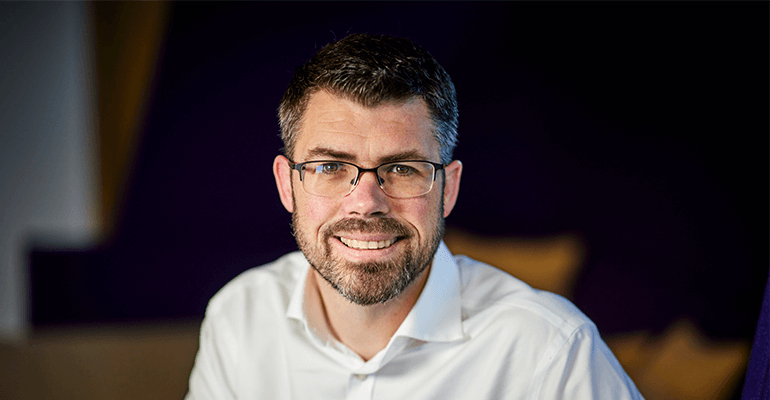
pixel 642 126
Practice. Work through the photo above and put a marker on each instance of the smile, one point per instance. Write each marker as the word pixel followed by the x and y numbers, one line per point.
pixel 367 245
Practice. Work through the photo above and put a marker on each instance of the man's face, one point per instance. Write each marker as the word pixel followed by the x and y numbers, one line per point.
pixel 367 245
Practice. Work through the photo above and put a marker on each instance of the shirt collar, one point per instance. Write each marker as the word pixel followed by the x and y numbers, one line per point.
pixel 296 309
pixel 435 317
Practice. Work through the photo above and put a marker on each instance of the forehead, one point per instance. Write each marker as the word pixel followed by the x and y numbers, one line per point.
pixel 334 127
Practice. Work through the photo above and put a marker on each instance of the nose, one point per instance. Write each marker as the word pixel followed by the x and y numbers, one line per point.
pixel 367 199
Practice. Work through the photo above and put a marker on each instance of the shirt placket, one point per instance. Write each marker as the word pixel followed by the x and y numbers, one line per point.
pixel 361 386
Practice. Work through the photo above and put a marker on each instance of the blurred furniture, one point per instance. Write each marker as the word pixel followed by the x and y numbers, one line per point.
pixel 100 362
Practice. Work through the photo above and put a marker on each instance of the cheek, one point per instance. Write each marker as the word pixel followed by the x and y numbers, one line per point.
pixel 421 213
pixel 315 211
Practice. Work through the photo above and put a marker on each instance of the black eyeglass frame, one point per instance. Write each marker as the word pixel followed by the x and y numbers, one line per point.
pixel 436 168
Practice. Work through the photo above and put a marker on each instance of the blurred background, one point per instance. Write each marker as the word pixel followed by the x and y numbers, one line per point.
pixel 614 153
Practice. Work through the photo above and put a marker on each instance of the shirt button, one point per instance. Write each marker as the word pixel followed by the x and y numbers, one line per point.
pixel 361 377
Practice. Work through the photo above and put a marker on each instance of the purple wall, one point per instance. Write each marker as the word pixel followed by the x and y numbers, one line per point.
pixel 642 125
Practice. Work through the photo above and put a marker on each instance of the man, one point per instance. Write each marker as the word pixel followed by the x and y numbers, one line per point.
pixel 375 306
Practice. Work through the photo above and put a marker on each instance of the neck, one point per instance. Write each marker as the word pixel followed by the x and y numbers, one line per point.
pixel 364 329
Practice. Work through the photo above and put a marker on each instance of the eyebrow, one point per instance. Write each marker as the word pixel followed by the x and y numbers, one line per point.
pixel 404 155
pixel 322 152
pixel 325 152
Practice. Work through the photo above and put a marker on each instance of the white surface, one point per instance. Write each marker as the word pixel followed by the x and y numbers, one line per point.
pixel 47 146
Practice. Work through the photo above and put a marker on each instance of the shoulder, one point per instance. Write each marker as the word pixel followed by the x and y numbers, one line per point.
pixel 496 300
pixel 243 322
pixel 267 286
pixel 539 335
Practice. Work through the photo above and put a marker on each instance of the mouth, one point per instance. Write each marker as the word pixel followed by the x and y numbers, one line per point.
pixel 367 244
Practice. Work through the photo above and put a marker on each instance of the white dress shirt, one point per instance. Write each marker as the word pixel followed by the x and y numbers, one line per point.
pixel 474 333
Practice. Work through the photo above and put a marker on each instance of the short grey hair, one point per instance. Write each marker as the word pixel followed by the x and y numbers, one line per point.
pixel 371 70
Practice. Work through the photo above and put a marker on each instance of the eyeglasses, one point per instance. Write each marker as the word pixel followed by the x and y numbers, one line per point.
pixel 400 179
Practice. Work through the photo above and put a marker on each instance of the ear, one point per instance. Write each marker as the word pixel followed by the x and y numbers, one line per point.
pixel 282 174
pixel 452 174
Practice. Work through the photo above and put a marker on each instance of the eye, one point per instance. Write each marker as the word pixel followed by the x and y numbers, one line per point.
pixel 329 168
pixel 401 169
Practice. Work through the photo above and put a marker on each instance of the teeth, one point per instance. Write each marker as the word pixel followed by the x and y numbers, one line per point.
pixel 363 244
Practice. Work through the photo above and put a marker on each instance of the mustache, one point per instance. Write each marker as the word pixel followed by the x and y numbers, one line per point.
pixel 376 225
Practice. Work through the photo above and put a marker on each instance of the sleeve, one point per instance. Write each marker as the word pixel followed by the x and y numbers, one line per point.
pixel 584 368
pixel 215 364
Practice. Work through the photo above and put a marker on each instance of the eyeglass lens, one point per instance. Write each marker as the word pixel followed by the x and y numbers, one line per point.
pixel 401 179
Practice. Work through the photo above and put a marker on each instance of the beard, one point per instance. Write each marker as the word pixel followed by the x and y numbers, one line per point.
pixel 369 283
